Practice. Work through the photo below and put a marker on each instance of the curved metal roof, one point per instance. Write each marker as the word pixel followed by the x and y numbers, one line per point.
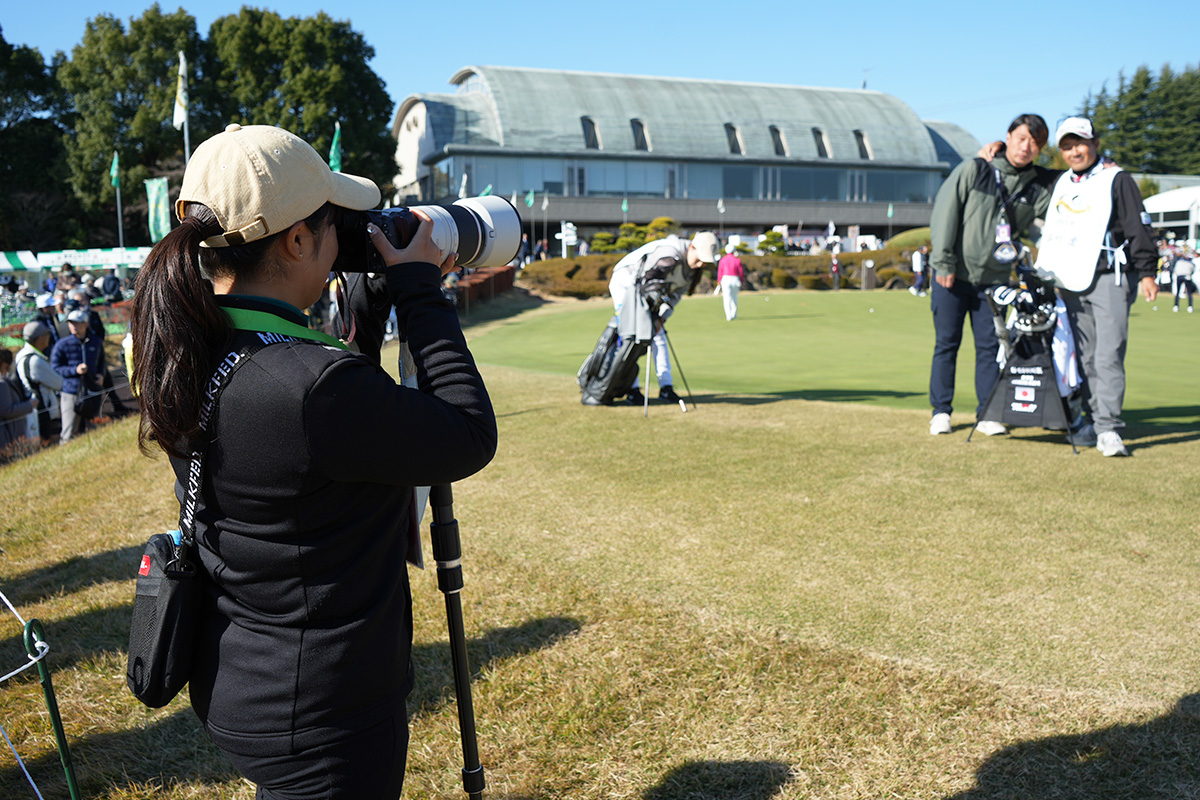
pixel 540 110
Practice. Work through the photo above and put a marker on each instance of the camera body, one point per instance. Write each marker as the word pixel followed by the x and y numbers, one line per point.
pixel 483 231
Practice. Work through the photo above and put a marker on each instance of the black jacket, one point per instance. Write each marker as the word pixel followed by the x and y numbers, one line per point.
pixel 304 523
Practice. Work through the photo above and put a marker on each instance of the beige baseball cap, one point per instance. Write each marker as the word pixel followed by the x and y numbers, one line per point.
pixel 706 246
pixel 260 180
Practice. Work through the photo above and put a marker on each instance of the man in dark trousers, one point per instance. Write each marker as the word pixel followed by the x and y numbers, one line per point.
pixel 79 358
pixel 979 215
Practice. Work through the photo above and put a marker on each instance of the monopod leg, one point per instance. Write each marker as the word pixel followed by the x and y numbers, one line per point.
pixel 679 366
pixel 646 385
pixel 447 551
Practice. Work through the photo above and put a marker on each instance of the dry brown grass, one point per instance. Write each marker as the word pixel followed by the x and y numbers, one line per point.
pixel 762 598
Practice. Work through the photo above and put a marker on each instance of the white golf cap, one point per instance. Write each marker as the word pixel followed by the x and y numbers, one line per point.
pixel 260 180
pixel 706 246
pixel 1079 126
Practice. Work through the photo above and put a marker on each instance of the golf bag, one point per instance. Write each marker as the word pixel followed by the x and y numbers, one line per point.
pixel 609 371
pixel 1027 393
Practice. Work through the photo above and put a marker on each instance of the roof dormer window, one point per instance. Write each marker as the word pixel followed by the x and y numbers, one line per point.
pixel 734 138
pixel 641 139
pixel 591 135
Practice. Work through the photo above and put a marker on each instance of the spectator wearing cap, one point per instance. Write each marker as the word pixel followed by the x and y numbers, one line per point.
pixel 14 403
pixel 78 358
pixel 40 380
pixel 47 315
pixel 1098 247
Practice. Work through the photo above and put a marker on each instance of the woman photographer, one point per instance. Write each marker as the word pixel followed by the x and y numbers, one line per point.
pixel 303 651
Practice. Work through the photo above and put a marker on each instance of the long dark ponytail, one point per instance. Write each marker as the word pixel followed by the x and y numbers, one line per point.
pixel 178 329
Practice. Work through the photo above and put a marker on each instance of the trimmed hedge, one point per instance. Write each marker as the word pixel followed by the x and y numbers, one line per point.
pixel 587 276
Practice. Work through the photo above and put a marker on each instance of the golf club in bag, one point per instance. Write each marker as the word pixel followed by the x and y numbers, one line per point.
pixel 1026 395
pixel 447 551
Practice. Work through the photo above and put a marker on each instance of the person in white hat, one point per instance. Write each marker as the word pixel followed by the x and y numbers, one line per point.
pixel 305 510
pixel 671 266
pixel 1098 248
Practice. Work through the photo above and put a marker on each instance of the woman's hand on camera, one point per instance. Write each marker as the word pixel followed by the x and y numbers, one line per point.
pixel 421 248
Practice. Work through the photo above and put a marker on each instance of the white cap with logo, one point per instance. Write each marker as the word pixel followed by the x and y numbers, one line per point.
pixel 1078 126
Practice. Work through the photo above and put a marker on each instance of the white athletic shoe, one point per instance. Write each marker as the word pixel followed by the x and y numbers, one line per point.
pixel 939 424
pixel 912 290
pixel 990 427
pixel 1109 444
pixel 1084 437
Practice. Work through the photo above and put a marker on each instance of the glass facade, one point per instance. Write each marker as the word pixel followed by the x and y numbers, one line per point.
pixel 644 178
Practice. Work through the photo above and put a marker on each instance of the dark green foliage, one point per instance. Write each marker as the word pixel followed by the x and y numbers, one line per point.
pixel 1149 123
pixel 36 212
pixel 303 74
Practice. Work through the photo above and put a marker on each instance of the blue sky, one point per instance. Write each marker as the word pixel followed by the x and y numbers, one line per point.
pixel 972 64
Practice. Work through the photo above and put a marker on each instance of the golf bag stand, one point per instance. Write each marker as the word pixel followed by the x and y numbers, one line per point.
pixel 1026 393
pixel 447 551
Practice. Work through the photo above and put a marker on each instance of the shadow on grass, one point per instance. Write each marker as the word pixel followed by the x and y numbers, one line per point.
pixel 1156 759
pixel 828 395
pixel 172 749
pixel 728 780
pixel 73 574
pixel 435 677
pixel 176 748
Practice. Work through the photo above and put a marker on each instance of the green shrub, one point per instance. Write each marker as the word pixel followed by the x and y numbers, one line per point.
pixel 582 277
pixel 887 273
pixel 603 242
pixel 812 282
pixel 780 279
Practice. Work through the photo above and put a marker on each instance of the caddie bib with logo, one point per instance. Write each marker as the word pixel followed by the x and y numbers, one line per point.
pixel 1075 228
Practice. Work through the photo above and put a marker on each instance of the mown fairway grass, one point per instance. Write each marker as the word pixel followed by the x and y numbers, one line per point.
pixel 769 596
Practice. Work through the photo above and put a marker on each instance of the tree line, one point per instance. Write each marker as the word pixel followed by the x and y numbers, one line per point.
pixel 61 121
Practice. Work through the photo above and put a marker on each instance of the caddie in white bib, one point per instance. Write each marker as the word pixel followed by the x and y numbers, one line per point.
pixel 1075 229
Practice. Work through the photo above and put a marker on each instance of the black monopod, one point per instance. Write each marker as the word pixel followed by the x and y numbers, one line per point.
pixel 447 551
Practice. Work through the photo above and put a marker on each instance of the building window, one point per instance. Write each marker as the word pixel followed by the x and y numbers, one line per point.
pixel 591 136
pixel 822 143
pixel 864 146
pixel 734 138
pixel 641 140
pixel 778 140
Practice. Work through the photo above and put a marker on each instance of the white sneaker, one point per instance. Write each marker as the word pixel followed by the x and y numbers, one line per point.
pixel 1084 437
pixel 939 424
pixel 1109 444
pixel 922 294
pixel 912 290
pixel 990 427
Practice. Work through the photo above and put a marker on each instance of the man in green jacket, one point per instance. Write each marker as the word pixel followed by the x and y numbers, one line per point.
pixel 979 215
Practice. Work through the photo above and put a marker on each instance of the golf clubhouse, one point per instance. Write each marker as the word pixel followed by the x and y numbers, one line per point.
pixel 601 149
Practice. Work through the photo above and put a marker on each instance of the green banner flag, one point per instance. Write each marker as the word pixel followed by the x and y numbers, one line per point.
pixel 529 199
pixel 625 206
pixel 335 149
pixel 113 174
pixel 158 214
pixel 486 191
